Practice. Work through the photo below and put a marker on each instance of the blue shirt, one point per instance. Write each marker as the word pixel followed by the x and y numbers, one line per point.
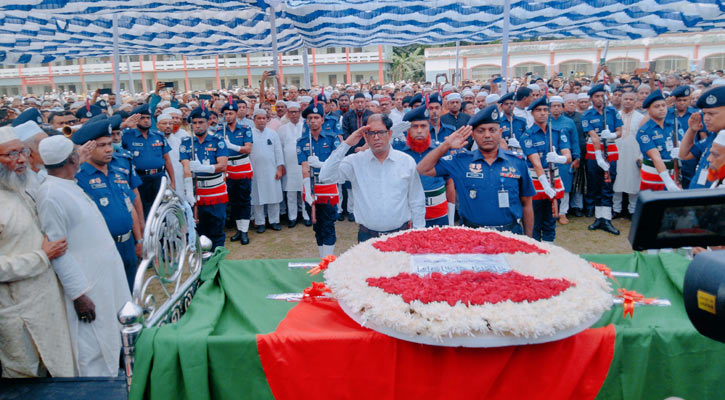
pixel 567 126
pixel 122 164
pixel 519 125
pixel 148 152
pixel 701 151
pixel 592 120
pixel 111 198
pixel 207 151
pixel 688 166
pixel 652 136
pixel 429 182
pixel 240 136
pixel 325 144
pixel 478 183
pixel 438 138
pixel 536 141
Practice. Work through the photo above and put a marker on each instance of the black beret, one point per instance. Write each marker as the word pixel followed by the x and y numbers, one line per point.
pixel 654 96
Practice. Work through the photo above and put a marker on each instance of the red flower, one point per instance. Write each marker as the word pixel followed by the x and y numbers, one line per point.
pixel 455 241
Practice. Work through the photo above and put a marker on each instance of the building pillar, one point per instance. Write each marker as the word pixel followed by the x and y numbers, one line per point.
pixel 348 78
pixel 143 79
pixel 156 75
pixel 249 72
pixel 552 67
pixel 187 86
pixel 696 57
pixel 281 72
pixel 83 78
pixel 380 64
pixel 113 76
pixel 314 68
pixel 465 67
pixel 216 68
pixel 50 76
pixel 23 89
pixel 646 56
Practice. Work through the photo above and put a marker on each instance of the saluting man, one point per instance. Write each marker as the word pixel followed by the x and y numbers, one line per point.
pixel 150 152
pixel 112 194
pixel 683 111
pixel 603 125
pixel 655 143
pixel 238 139
pixel 494 184
pixel 712 104
pixel 208 160
pixel 536 146
pixel 318 141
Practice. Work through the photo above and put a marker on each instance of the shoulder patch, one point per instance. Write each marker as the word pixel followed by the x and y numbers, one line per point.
pixel 645 138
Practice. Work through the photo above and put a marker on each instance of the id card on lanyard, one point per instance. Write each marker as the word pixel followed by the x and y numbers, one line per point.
pixel 503 197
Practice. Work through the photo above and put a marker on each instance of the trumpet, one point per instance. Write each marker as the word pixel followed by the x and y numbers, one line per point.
pixel 68 130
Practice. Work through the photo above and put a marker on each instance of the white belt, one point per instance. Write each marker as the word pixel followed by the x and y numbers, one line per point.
pixel 239 161
pixel 211 182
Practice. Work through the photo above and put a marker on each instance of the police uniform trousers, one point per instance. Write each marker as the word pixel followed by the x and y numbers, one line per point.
pixel 442 221
pixel 324 226
pixel 211 223
pixel 240 198
pixel 127 250
pixel 514 227
pixel 544 221
pixel 150 185
pixel 600 191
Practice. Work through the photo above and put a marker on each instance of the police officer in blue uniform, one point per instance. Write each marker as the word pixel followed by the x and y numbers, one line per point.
pixel 205 155
pixel 31 114
pixel 438 129
pixel 512 126
pixel 655 143
pixel 494 186
pixel 238 139
pixel 712 104
pixel 149 149
pixel 601 172
pixel 683 111
pixel 567 126
pixel 111 192
pixel 122 163
pixel 318 141
pixel 417 143
pixel 83 114
pixel 540 144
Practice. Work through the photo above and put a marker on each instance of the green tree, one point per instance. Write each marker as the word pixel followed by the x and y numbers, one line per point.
pixel 409 63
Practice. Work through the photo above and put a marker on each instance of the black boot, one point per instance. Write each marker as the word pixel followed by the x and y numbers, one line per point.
pixel 261 228
pixel 244 238
pixel 596 225
pixel 236 236
pixel 607 226
pixel 292 224
pixel 276 227
pixel 589 213
pixel 308 222
pixel 577 212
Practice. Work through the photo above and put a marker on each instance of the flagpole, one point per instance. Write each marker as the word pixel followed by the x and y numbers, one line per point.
pixel 505 44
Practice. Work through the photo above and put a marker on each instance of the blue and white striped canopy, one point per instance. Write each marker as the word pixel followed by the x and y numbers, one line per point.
pixel 34 31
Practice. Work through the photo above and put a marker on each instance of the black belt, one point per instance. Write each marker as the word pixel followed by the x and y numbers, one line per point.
pixel 507 227
pixel 145 172
pixel 373 233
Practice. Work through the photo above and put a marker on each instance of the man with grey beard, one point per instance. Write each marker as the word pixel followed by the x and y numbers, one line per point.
pixel 33 327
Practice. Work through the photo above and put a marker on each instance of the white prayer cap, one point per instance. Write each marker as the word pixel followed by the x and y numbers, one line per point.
pixel 718 82
pixel 367 96
pixel 32 100
pixel 164 104
pixel 259 111
pixel 467 92
pixel 377 97
pixel 570 97
pixel 57 109
pixel 492 98
pixel 534 86
pixel 720 138
pixel 77 105
pixel 556 99
pixel 280 102
pixel 581 96
pixel 453 97
pixel 585 88
pixel 164 117
pixel 7 134
pixel 55 149
pixel 475 87
pixel 482 94
pixel 304 99
pixel 292 104
pixel 375 102
pixel 171 110
pixel 447 87
pixel 26 130
pixel 192 104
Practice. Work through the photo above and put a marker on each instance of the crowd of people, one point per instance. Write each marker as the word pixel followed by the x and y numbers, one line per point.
pixel 78 176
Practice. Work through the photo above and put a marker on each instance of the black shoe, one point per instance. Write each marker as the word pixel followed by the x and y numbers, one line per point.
pixel 577 212
pixel 608 227
pixel 596 225
pixel 236 236
pixel 261 229
pixel 244 238
pixel 351 217
pixel 340 217
pixel 308 222
pixel 589 213
pixel 276 227
pixel 292 224
pixel 616 215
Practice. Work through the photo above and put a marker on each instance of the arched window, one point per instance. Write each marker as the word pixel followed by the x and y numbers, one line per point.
pixel 671 63
pixel 484 72
pixel 715 62
pixel 622 65
pixel 535 68
pixel 580 67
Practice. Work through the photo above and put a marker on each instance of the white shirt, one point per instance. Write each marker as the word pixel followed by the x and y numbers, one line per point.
pixel 525 114
pixel 386 194
pixel 396 116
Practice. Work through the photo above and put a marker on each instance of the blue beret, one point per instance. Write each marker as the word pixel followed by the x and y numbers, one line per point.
pixel 122 114
pixel 89 112
pixel 406 99
pixel 681 91
pixel 230 106
pixel 417 98
pixel 101 103
pixel 416 114
pixel 522 93
pixel 595 89
pixel 654 96
pixel 506 97
pixel 541 101
pixel 199 112
pixel 96 117
pixel 31 114
pixel 212 112
pixel 116 121
pixel 713 98
pixel 143 109
pixel 314 109
pixel 435 98
pixel 92 131
pixel 488 115
pixel 322 97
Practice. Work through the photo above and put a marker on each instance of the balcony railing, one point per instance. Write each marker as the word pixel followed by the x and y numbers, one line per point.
pixel 191 64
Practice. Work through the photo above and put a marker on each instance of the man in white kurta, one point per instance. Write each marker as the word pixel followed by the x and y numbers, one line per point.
pixel 289 133
pixel 91 271
pixel 628 176
pixel 34 338
pixel 165 124
pixel 268 165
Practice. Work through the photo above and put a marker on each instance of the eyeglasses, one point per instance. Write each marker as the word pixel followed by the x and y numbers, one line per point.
pixel 374 133
pixel 13 155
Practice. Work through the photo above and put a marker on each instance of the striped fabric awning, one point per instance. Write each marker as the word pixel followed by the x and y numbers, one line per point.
pixel 35 31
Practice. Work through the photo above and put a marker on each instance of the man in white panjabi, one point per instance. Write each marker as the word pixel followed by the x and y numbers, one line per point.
pixel 628 176
pixel 165 124
pixel 289 133
pixel 34 338
pixel 91 271
pixel 268 165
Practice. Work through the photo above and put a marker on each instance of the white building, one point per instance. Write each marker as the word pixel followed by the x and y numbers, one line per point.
pixel 680 52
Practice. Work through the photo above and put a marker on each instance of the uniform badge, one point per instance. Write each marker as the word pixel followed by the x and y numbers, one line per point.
pixel 476 168
pixel 299 150
pixel 89 114
pixel 103 201
pixel 40 120
pixel 136 153
pixel 687 92
pixel 494 114
pixel 110 129
pixel 221 145
pixel 585 123
pixel 426 113
pixel 528 143
pixel 645 138
pixel 314 110
pixel 711 99
pixel 472 193
pixel 564 139
pixel 182 149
